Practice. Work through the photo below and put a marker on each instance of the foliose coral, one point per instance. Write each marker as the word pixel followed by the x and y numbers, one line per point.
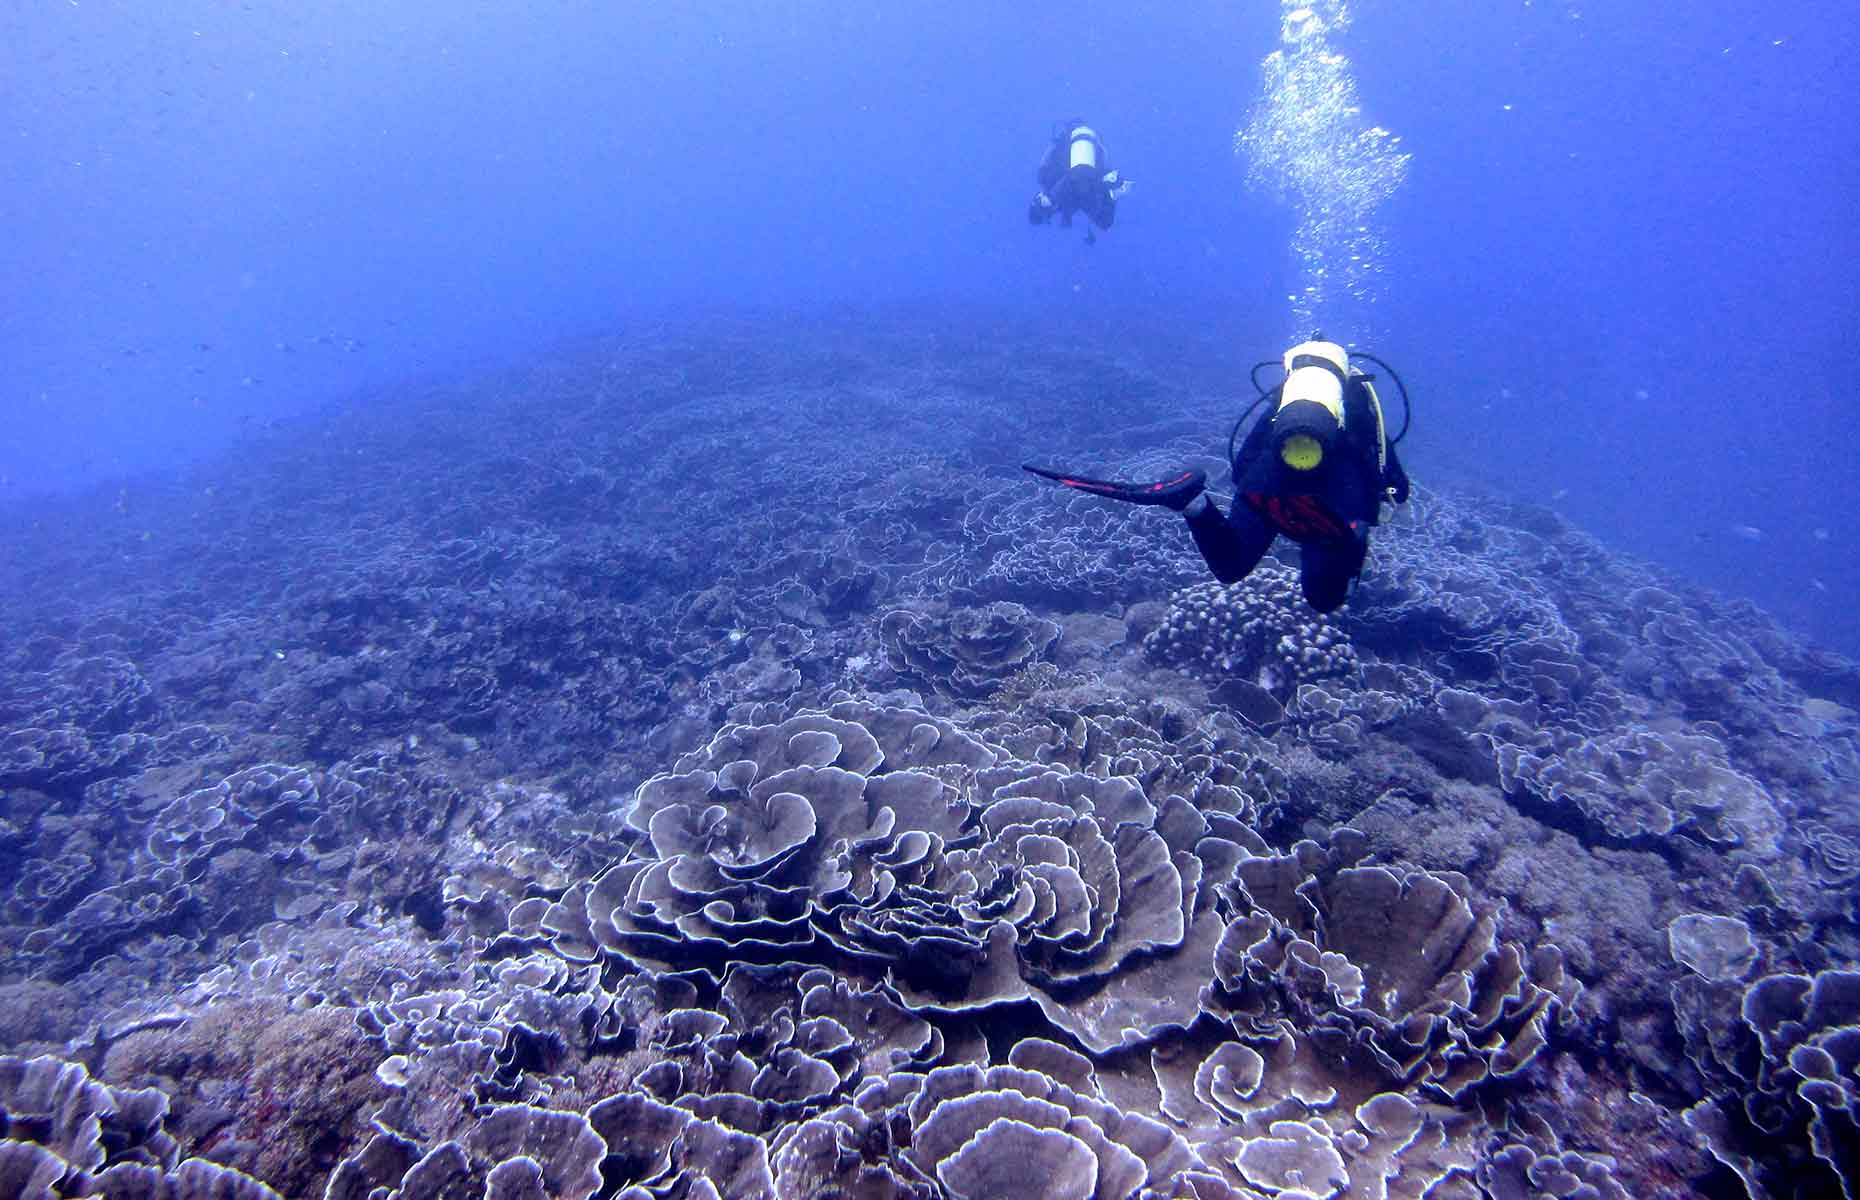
pixel 970 650
pixel 358 754
pixel 1796 1125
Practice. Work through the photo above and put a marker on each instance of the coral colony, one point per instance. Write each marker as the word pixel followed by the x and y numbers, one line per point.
pixel 670 774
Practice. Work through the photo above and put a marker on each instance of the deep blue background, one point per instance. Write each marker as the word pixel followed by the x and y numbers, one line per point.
pixel 1621 275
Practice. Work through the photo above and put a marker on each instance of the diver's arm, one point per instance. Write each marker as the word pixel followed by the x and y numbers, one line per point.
pixel 1255 443
pixel 1395 477
pixel 1364 432
pixel 1051 168
pixel 1232 545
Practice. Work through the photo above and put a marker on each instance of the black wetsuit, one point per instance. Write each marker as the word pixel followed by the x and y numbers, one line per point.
pixel 1076 189
pixel 1328 510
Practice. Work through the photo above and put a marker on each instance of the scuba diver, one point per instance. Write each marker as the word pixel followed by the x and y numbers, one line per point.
pixel 1317 468
pixel 1076 177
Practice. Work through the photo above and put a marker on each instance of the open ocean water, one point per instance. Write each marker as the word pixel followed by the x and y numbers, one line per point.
pixel 530 665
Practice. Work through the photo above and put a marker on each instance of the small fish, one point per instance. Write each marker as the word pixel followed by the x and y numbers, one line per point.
pixel 1818 585
pixel 1559 494
pixel 1749 533
pixel 1821 535
pixel 1640 394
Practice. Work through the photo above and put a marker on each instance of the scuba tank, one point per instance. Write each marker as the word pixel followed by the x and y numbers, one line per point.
pixel 1309 417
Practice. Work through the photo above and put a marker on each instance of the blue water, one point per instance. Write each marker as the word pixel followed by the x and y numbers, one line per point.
pixel 1620 275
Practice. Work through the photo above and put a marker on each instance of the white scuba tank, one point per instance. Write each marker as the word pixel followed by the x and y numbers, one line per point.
pixel 1322 385
pixel 1314 382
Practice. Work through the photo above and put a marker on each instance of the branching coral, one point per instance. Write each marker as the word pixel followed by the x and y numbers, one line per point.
pixel 1258 630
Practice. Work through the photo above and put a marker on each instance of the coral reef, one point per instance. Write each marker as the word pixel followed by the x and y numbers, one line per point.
pixel 969 651
pixel 681 776
pixel 1255 641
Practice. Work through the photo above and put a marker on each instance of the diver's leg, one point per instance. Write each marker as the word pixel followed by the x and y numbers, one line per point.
pixel 1326 569
pixel 1232 545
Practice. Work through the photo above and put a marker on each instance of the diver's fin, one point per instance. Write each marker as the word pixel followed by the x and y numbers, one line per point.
pixel 1162 491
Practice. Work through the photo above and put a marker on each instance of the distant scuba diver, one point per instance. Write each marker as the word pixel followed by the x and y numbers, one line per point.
pixel 1077 177
pixel 1316 469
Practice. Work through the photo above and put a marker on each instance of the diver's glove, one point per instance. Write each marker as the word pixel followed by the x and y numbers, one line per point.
pixel 1040 210
pixel 1174 492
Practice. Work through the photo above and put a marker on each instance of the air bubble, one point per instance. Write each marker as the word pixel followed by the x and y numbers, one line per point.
pixel 1309 143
